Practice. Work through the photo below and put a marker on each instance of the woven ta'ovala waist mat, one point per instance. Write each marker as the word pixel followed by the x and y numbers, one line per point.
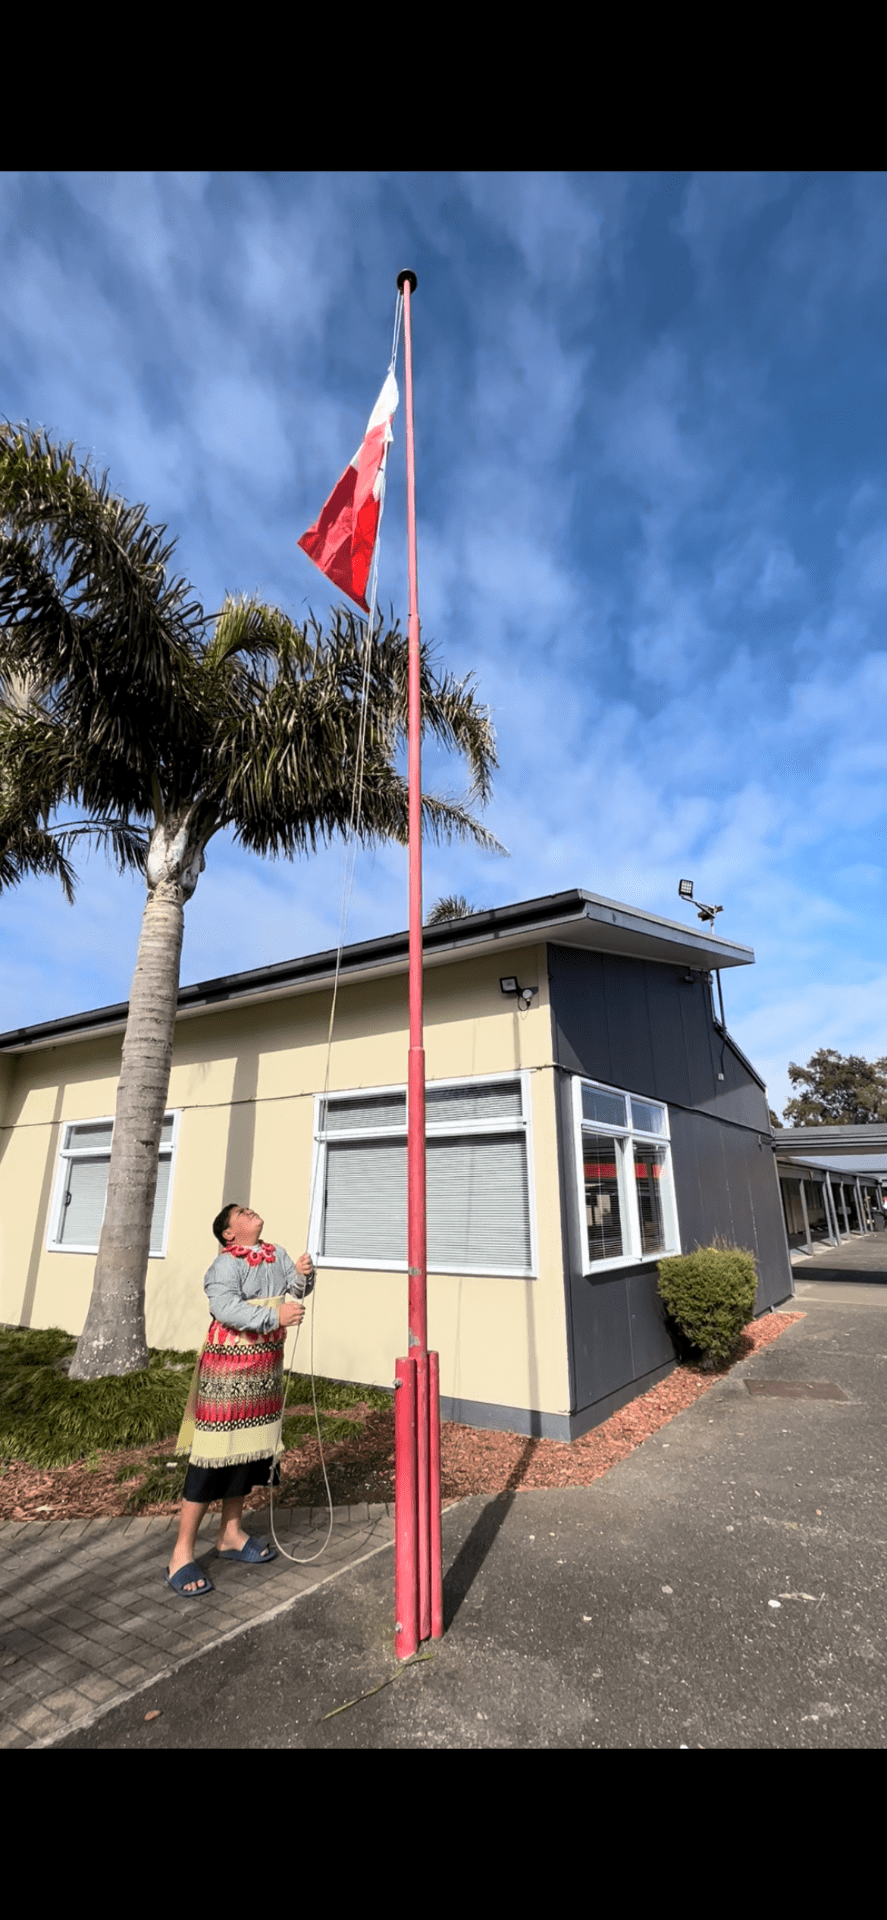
pixel 236 1398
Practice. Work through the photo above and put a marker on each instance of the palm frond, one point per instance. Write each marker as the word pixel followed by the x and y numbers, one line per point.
pixel 87 601
pixel 28 849
pixel 126 843
pixel 22 693
pixel 36 764
pixel 272 815
pixel 247 628
pixel 91 536
pixel 40 772
pixel 445 820
pixel 281 766
pixel 449 708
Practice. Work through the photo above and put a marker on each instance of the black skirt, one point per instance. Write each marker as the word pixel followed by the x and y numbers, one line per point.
pixel 206 1484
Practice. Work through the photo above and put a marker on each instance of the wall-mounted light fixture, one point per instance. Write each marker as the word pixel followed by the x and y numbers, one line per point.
pixel 511 987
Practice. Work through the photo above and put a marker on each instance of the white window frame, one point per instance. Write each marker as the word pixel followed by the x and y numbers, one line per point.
pixel 521 1126
pixel 67 1154
pixel 625 1137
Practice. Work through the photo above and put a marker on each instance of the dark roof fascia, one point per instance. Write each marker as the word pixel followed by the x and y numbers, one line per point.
pixel 825 1143
pixel 791 1167
pixel 708 950
pixel 549 917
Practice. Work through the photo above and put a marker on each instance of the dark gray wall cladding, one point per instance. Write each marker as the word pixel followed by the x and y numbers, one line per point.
pixel 638 1025
pixel 618 1331
pixel 725 1186
pixel 665 1009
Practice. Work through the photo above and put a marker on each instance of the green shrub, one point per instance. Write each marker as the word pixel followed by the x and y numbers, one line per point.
pixel 710 1295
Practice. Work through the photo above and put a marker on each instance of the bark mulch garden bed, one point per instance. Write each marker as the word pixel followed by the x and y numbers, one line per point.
pixel 361 1467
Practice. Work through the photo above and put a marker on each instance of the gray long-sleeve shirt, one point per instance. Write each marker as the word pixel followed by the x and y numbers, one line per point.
pixel 231 1285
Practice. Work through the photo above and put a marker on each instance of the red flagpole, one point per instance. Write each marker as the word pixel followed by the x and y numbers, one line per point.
pixel 417 1575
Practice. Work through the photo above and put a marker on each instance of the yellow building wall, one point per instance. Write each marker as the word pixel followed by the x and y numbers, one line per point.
pixel 244 1080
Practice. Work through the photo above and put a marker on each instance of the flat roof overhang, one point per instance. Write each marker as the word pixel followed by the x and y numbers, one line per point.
pixel 823 1146
pixel 574 918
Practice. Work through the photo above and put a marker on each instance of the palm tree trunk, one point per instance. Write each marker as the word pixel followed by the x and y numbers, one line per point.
pixel 113 1340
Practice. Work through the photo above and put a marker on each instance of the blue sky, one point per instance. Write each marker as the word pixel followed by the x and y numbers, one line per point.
pixel 652 489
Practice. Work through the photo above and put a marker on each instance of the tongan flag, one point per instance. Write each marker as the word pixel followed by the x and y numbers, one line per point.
pixel 341 544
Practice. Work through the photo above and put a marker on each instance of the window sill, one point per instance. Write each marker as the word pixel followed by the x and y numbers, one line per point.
pixel 623 1260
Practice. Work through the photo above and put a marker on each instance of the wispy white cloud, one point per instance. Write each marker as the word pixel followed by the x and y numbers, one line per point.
pixel 832 248
pixel 717 212
pixel 566 228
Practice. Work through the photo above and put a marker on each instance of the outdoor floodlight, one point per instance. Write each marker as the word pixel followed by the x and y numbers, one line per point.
pixel 510 985
pixel 685 891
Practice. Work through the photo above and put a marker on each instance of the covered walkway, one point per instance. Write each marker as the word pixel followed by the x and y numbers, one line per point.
pixel 833 1183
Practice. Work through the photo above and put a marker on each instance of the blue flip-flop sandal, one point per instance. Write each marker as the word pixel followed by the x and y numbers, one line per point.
pixel 254 1553
pixel 179 1581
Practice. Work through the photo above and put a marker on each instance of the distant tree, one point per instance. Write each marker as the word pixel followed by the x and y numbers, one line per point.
pixel 774 1122
pixel 837 1091
pixel 453 906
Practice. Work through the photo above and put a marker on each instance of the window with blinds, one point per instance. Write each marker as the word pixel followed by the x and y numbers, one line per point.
pixel 624 1176
pixel 479 1216
pixel 82 1186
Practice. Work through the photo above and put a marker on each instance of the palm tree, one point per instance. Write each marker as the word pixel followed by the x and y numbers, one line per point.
pixel 452 906
pixel 169 725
